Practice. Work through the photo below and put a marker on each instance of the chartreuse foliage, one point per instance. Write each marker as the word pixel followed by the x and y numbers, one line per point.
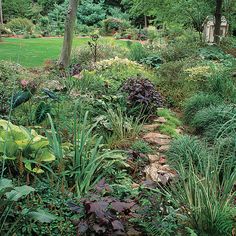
pixel 16 142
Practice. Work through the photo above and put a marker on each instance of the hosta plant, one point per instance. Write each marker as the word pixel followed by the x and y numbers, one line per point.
pixel 142 94
pixel 25 146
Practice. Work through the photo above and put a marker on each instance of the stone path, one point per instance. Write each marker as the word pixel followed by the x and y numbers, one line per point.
pixel 158 170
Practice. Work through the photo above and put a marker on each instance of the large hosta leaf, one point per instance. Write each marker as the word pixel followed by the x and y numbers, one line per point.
pixel 39 142
pixel 44 155
pixel 9 148
pixel 11 132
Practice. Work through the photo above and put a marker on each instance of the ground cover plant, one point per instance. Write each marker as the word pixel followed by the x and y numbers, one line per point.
pixel 130 130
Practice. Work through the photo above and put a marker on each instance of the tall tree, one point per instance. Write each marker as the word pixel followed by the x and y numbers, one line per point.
pixel 218 15
pixel 68 35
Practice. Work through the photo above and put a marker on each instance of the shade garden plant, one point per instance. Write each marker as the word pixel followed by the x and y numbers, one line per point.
pixel 133 137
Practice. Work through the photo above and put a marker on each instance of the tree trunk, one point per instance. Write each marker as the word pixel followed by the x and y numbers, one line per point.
pixel 145 22
pixel 218 15
pixel 68 35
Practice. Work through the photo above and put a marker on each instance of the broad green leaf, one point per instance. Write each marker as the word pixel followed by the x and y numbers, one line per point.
pixel 44 155
pixel 28 165
pixel 39 142
pixel 5 183
pixel 19 192
pixel 42 216
pixel 9 148
pixel 37 170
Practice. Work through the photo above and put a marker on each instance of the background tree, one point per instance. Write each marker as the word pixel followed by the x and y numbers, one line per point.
pixel 15 8
pixel 218 15
pixel 68 35
pixel 91 13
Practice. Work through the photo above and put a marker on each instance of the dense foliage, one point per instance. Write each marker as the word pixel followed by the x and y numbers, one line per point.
pixel 136 136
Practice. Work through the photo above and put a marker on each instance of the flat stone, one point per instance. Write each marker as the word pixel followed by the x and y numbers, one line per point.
pixel 151 127
pixel 161 120
pixel 164 148
pixel 135 186
pixel 77 76
pixel 162 159
pixel 54 85
pixel 133 232
pixel 159 173
pixel 179 131
pixel 153 158
pixel 157 138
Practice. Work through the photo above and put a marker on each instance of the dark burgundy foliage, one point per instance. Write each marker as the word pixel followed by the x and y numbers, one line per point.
pixel 141 92
pixel 102 215
pixel 75 69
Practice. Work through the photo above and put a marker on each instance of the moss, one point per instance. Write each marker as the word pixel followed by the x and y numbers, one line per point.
pixel 168 130
pixel 171 124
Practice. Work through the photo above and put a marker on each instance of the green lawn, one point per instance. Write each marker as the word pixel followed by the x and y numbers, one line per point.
pixel 33 52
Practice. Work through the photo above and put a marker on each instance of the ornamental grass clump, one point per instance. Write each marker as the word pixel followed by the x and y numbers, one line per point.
pixel 204 191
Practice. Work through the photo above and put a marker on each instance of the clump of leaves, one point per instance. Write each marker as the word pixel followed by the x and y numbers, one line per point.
pixel 141 146
pixel 142 94
pixel 153 61
pixel 102 215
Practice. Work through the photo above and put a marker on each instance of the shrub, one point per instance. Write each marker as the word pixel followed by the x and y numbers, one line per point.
pixel 152 61
pixel 213 53
pixel 112 25
pixel 85 30
pixel 197 103
pixel 142 95
pixel 4 30
pixel 20 26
